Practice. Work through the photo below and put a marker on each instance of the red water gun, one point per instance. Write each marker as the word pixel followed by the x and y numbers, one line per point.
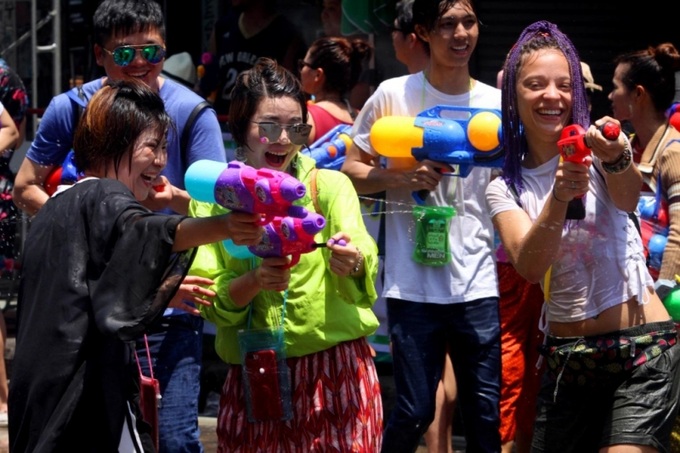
pixel 574 148
pixel 573 145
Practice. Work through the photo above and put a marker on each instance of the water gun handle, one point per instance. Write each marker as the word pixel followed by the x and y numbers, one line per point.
pixel 420 196
pixel 575 148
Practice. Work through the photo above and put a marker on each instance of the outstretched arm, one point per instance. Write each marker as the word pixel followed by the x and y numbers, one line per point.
pixel 242 228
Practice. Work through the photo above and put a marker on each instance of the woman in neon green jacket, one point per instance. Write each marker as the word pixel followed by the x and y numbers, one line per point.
pixel 303 375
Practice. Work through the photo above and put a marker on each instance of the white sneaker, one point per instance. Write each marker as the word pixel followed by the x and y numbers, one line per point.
pixel 3 419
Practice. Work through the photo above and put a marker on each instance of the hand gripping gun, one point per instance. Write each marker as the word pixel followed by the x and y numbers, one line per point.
pixel 574 148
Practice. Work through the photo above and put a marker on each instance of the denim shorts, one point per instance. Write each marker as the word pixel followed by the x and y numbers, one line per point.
pixel 637 406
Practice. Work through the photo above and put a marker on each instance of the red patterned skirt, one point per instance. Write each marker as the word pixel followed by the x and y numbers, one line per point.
pixel 336 400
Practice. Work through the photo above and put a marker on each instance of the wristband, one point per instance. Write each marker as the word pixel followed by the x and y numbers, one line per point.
pixel 621 164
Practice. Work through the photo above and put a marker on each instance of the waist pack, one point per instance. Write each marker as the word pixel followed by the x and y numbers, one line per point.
pixel 594 361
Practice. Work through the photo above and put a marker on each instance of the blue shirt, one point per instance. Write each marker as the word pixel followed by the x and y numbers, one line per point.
pixel 54 138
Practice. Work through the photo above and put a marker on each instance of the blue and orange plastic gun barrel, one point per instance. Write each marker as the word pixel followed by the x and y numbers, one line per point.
pixel 240 187
pixel 330 149
pixel 461 136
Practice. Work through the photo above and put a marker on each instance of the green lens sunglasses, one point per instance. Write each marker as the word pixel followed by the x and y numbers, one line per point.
pixel 123 55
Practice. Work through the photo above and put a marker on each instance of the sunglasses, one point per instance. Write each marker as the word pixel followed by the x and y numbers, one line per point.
pixel 124 55
pixel 297 133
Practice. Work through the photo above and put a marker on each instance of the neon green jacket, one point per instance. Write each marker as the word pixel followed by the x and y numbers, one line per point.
pixel 322 308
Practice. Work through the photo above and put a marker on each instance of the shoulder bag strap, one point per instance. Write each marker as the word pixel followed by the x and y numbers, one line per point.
pixel 184 138
pixel 312 184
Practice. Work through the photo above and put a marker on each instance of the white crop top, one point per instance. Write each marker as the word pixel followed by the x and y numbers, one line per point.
pixel 601 262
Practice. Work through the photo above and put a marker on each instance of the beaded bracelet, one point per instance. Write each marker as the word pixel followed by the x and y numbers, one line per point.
pixel 360 261
pixel 621 164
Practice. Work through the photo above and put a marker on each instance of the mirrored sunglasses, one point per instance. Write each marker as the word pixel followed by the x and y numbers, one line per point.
pixel 297 133
pixel 124 55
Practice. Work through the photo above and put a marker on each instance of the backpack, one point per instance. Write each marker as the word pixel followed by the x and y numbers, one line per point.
pixel 67 172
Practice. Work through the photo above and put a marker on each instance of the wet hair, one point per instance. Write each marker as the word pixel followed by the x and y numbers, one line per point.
pixel 341 60
pixel 266 79
pixel 125 17
pixel 537 36
pixel 654 68
pixel 114 120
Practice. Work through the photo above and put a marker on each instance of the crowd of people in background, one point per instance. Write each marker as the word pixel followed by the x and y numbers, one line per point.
pixel 13 106
pixel 542 321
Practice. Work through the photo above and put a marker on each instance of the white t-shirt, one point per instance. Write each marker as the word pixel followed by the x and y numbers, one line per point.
pixel 600 263
pixel 472 273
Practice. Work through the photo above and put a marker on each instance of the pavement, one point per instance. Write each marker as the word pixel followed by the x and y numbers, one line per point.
pixel 207 420
pixel 209 438
pixel 208 435
pixel 208 423
pixel 207 426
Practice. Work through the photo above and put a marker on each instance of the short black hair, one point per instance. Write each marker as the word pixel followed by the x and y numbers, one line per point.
pixel 125 17
pixel 428 12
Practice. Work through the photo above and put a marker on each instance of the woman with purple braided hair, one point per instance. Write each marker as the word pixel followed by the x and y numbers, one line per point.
pixel 611 382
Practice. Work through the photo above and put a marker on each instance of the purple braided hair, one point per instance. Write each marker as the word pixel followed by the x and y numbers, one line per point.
pixel 537 36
